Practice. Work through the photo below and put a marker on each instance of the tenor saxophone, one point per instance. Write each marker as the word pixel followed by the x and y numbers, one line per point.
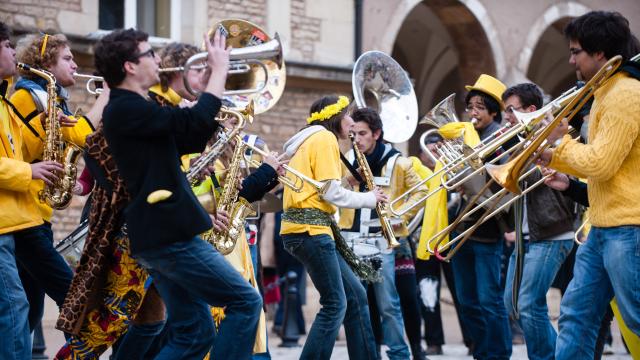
pixel 381 208
pixel 58 196
pixel 238 208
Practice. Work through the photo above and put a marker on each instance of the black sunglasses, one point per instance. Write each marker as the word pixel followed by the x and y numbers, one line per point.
pixel 150 53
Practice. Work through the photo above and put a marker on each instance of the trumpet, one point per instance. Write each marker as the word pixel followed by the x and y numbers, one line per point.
pixel 91 86
pixel 295 184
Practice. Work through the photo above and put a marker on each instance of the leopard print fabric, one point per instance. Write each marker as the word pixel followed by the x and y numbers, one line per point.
pixel 104 225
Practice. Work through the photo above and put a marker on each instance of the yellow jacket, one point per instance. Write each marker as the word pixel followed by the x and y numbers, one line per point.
pixel 402 179
pixel 33 142
pixel 17 208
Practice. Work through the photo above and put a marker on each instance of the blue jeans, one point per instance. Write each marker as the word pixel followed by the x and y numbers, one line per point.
pixel 607 264
pixel 388 302
pixel 15 341
pixel 476 268
pixel 342 297
pixel 42 269
pixel 190 276
pixel 542 260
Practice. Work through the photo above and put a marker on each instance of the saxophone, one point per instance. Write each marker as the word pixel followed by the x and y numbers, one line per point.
pixel 58 196
pixel 238 208
pixel 243 117
pixel 381 208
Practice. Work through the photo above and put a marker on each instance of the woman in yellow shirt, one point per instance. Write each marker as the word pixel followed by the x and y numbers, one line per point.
pixel 309 230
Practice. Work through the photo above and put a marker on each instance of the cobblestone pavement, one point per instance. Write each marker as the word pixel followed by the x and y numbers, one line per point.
pixel 454 349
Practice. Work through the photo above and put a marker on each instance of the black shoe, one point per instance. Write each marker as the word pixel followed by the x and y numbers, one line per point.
pixel 417 352
pixel 434 350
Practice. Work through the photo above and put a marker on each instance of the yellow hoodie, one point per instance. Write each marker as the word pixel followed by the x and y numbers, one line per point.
pixel 17 208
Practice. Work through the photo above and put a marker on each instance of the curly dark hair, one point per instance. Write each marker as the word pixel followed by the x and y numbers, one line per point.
pixel 333 123
pixel 113 50
pixel 371 117
pixel 606 31
pixel 174 55
pixel 528 93
pixel 5 32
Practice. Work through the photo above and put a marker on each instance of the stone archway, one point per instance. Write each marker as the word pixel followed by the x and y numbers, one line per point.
pixel 444 45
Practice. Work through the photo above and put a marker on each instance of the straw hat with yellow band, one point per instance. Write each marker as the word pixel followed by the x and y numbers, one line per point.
pixel 490 86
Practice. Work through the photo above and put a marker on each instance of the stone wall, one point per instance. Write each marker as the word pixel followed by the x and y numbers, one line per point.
pixel 40 14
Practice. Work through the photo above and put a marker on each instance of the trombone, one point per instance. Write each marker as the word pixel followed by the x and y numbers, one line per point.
pixel 510 174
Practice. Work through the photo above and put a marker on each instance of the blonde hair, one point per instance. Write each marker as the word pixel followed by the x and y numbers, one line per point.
pixel 40 51
pixel 174 55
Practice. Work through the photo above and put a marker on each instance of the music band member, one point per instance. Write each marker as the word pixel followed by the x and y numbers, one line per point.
pixel 310 234
pixel 42 268
pixel 163 217
pixel 18 211
pixel 476 266
pixel 394 173
pixel 607 265
pixel 547 231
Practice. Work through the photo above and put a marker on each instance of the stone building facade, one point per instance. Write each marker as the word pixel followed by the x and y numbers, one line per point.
pixel 442 44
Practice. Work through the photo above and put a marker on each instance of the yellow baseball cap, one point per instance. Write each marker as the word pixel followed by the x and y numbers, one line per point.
pixel 490 86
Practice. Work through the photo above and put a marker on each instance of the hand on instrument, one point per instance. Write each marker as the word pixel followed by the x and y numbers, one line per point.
pixel 272 160
pixel 380 195
pixel 46 171
pixel 560 131
pixel 544 158
pixel 77 189
pixel 66 121
pixel 220 221
pixel 557 181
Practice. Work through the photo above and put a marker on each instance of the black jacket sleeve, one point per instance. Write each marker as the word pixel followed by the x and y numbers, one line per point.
pixel 259 183
pixel 577 191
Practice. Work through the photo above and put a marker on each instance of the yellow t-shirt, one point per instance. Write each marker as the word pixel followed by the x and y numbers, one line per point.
pixel 318 158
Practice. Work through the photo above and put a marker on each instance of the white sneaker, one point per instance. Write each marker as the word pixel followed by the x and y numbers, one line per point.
pixel 608 350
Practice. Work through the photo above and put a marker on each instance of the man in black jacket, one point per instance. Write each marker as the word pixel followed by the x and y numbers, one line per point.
pixel 547 229
pixel 164 217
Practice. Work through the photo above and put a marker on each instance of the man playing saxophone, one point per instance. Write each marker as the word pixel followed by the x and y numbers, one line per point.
pixel 42 269
pixel 394 174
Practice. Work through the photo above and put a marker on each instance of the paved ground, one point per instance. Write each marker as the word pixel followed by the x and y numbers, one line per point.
pixel 453 350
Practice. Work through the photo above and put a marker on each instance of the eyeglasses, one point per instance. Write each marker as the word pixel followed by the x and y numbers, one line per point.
pixel 575 51
pixel 477 107
pixel 510 109
pixel 150 53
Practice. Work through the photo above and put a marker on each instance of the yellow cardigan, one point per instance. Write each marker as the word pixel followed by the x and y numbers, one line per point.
pixel 611 159
pixel 17 208
pixel 25 105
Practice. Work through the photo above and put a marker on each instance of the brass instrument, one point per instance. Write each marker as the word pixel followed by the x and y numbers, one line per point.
pixel 243 117
pixel 507 175
pixel 296 184
pixel 380 83
pixel 381 208
pixel 58 196
pixel 238 208
pixel 257 64
pixel 90 85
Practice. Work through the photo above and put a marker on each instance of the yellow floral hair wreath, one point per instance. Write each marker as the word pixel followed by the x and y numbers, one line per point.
pixel 329 110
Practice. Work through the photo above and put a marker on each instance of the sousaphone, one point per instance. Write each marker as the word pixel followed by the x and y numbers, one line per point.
pixel 380 83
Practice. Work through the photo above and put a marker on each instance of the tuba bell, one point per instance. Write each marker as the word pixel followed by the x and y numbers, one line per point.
pixel 380 83
pixel 257 69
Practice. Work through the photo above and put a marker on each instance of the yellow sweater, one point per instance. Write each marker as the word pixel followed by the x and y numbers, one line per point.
pixel 611 159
